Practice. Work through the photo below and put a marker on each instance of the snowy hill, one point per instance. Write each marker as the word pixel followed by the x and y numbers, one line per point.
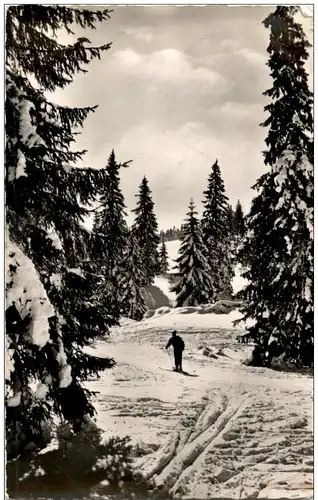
pixel 163 283
pixel 157 295
pixel 229 431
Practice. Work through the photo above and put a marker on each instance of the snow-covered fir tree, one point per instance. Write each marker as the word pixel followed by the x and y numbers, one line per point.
pixel 50 316
pixel 163 258
pixel 216 232
pixel 132 281
pixel 239 222
pixel 279 298
pixel 195 286
pixel 145 231
pixel 110 233
pixel 110 226
pixel 230 218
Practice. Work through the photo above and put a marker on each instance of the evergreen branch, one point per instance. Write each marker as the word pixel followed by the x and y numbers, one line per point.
pixel 56 17
pixel 65 49
pixel 52 64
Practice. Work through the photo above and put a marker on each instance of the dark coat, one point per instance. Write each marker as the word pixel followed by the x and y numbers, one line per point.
pixel 177 343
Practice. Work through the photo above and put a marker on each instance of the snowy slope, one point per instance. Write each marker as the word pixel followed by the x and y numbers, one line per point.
pixel 163 284
pixel 161 281
pixel 172 250
pixel 232 431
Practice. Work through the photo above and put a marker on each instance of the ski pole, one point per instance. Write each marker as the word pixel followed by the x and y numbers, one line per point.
pixel 169 356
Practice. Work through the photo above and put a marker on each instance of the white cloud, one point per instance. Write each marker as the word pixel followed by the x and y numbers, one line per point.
pixel 175 110
pixel 235 110
pixel 252 57
pixel 177 162
pixel 167 64
pixel 140 34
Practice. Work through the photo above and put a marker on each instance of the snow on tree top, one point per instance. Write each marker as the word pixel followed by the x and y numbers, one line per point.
pixel 25 291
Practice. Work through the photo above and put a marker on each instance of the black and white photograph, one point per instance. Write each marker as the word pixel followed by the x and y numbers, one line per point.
pixel 159 252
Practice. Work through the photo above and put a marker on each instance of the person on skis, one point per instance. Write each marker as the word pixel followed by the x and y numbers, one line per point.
pixel 178 347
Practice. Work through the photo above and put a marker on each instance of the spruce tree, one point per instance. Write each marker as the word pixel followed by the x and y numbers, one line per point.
pixel 163 258
pixel 195 286
pixel 145 231
pixel 230 218
pixel 132 281
pixel 110 226
pixel 239 222
pixel 279 297
pixel 51 317
pixel 110 234
pixel 216 232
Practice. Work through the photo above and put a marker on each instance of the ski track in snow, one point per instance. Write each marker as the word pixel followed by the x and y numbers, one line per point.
pixel 232 432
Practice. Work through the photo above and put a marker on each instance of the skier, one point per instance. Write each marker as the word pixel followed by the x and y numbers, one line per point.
pixel 178 347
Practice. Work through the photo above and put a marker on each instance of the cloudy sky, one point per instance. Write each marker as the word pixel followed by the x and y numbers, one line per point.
pixel 180 87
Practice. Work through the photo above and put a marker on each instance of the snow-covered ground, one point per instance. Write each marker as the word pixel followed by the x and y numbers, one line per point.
pixel 227 431
pixel 230 431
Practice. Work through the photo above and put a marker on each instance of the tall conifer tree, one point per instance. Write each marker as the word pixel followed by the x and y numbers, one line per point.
pixel 195 286
pixel 109 225
pixel 145 231
pixel 163 258
pixel 239 222
pixel 110 235
pixel 230 215
pixel 132 279
pixel 216 232
pixel 279 297
pixel 50 316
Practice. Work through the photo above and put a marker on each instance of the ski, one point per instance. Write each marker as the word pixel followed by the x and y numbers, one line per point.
pixel 187 374
pixel 169 370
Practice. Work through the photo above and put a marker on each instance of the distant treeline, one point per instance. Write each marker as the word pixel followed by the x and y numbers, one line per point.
pixel 235 219
pixel 171 234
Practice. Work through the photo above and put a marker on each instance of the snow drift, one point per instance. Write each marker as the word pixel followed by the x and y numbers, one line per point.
pixel 220 307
